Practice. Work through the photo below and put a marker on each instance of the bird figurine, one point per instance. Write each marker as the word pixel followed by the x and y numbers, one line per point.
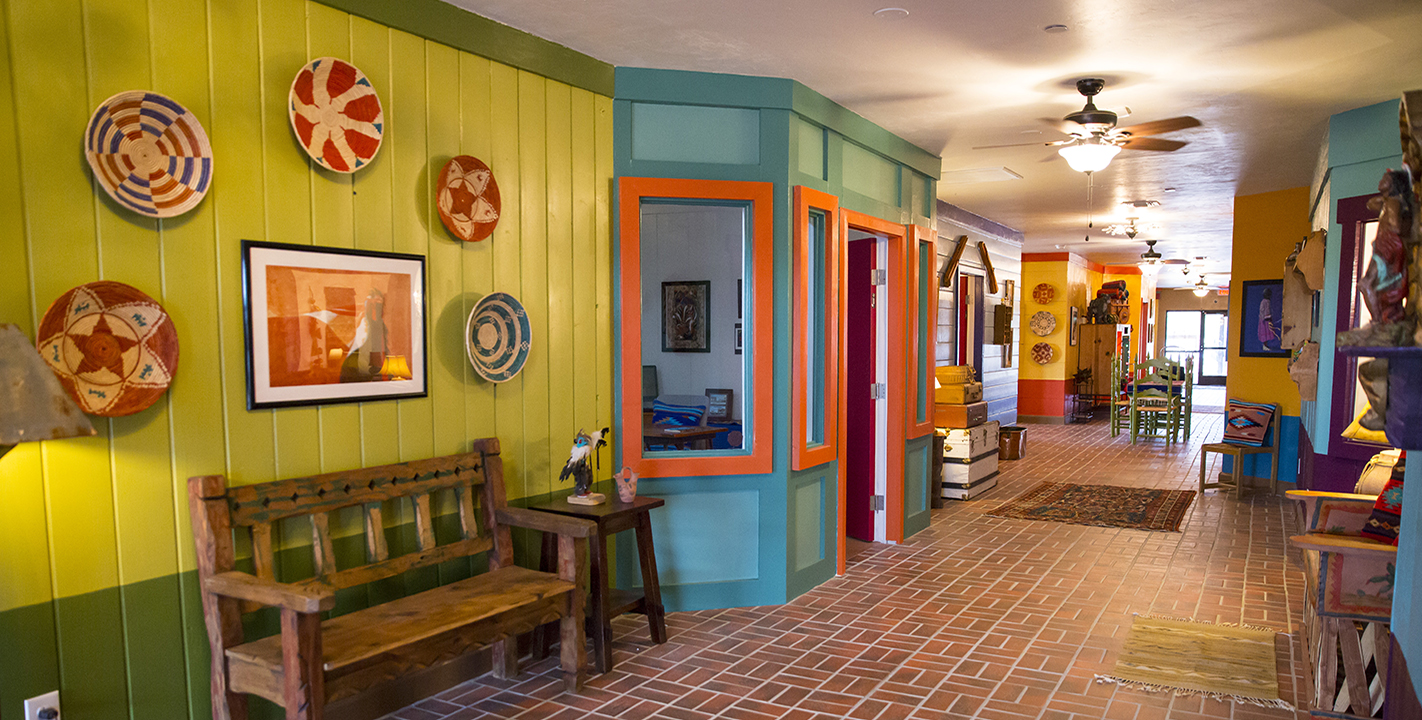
pixel 585 446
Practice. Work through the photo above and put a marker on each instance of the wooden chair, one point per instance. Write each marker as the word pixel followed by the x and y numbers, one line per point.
pixel 312 661
pixel 1187 398
pixel 1120 405
pixel 1237 453
pixel 1154 412
pixel 1347 605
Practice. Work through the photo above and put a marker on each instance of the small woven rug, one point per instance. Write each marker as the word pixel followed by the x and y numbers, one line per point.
pixel 1101 505
pixel 1225 662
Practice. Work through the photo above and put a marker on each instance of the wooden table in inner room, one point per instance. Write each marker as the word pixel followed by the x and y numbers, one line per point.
pixel 604 602
pixel 680 436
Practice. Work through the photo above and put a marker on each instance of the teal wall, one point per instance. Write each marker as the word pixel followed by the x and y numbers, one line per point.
pixel 781 525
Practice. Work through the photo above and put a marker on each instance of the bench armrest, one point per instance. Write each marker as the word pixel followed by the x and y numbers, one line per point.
pixel 1343 544
pixel 303 598
pixel 547 522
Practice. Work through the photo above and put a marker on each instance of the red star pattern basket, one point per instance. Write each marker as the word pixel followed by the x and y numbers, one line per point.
pixel 468 198
pixel 336 115
pixel 149 153
pixel 113 348
pixel 1044 293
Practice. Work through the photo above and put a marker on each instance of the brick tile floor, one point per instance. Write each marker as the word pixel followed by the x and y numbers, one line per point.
pixel 975 617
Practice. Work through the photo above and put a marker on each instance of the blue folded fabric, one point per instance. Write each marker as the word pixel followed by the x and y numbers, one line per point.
pixel 665 413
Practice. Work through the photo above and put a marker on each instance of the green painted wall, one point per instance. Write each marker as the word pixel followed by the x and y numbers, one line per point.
pixel 96 591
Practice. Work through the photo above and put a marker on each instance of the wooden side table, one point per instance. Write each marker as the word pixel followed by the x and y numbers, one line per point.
pixel 605 603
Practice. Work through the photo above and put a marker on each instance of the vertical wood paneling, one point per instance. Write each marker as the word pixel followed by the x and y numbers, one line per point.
pixel 508 399
pixel 99 525
pixel 559 164
pixel 475 139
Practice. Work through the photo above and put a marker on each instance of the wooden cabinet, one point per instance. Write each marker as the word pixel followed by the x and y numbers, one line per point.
pixel 1099 346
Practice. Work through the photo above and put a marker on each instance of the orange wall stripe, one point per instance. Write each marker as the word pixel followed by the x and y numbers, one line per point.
pixel 802 456
pixel 1042 398
pixel 761 196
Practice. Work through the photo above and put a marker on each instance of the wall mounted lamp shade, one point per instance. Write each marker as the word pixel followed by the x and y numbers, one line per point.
pixel 33 405
pixel 1089 156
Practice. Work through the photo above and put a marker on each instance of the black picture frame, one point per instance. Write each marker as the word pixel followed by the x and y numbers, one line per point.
pixel 719 404
pixel 738 338
pixel 321 350
pixel 1075 323
pixel 686 307
pixel 1260 319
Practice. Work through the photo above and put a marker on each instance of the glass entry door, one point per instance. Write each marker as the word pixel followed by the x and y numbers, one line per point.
pixel 1203 335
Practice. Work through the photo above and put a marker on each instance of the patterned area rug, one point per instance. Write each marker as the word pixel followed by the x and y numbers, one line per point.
pixel 1100 505
pixel 1195 658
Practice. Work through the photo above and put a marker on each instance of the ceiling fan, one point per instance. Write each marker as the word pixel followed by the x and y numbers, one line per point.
pixel 1095 139
pixel 1152 261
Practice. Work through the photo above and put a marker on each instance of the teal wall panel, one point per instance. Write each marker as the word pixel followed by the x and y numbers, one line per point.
pixel 917 466
pixel 871 174
pixel 707 537
pixel 810 520
pixel 809 148
pixel 679 133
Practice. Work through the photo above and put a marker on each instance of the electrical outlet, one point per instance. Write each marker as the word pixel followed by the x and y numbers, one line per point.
pixel 35 705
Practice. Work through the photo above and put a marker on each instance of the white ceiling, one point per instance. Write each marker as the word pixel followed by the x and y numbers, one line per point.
pixel 1262 75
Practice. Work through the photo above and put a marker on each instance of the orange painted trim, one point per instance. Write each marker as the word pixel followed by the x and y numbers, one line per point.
pixel 1121 269
pixel 1042 397
pixel 920 361
pixel 1046 257
pixel 761 197
pixel 804 457
pixel 897 294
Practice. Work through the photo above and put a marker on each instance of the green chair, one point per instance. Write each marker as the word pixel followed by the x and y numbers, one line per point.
pixel 1120 403
pixel 1154 407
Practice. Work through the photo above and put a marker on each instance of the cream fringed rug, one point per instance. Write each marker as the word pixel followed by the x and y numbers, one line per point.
pixel 1196 658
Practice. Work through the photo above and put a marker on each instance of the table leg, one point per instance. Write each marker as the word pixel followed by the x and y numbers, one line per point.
pixel 547 562
pixel 601 624
pixel 651 587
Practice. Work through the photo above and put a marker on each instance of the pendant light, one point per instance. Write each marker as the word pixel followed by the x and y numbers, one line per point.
pixel 1090 155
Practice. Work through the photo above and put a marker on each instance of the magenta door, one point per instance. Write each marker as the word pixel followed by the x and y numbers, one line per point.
pixel 860 420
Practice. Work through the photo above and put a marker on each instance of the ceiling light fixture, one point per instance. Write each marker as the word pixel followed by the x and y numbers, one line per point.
pixel 1089 155
pixel 1057 28
pixel 891 13
pixel 1201 289
pixel 1150 259
pixel 1131 228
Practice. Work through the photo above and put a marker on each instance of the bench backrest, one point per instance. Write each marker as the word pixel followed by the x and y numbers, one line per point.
pixel 476 479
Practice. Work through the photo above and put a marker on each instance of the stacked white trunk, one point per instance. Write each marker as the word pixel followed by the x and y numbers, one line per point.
pixel 970 461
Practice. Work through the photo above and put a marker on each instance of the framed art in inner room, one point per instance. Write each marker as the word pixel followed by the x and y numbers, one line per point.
pixel 332 325
pixel 685 306
pixel 1261 312
pixel 718 404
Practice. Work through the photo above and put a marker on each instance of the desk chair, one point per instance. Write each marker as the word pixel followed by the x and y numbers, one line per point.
pixel 1250 429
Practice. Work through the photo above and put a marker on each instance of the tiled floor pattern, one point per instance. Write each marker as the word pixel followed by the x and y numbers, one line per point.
pixel 976 617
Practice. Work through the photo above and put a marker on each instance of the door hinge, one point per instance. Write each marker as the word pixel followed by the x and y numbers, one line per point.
pixel 878 391
pixel 880 277
pixel 876 503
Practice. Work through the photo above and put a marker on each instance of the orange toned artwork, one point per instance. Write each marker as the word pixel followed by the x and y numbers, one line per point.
pixel 333 326
pixel 330 325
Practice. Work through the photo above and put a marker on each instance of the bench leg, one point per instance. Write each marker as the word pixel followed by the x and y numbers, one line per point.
pixel 304 690
pixel 547 562
pixel 572 561
pixel 505 658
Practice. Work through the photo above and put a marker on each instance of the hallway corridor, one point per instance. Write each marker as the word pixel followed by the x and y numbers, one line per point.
pixel 976 617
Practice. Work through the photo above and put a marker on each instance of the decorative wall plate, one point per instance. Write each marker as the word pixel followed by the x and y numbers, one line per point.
pixel 113 348
pixel 1043 293
pixel 1043 323
pixel 497 337
pixel 149 153
pixel 468 198
pixel 1042 353
pixel 336 115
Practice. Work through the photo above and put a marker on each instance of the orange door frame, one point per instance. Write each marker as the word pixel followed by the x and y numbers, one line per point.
pixel 897 338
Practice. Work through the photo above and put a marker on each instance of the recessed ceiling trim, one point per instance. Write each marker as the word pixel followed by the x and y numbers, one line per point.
pixel 978 175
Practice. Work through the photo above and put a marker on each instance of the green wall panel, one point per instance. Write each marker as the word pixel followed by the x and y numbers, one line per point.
pixel 692 134
pixel 98 595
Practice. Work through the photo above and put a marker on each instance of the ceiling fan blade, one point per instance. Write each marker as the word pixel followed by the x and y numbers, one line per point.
pixel 1157 127
pixel 1034 144
pixel 1150 143
pixel 1174 261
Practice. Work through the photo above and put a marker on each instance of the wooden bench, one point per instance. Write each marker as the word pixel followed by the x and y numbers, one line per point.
pixel 313 662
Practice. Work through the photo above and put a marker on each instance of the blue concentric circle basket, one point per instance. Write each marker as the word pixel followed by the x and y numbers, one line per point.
pixel 497 337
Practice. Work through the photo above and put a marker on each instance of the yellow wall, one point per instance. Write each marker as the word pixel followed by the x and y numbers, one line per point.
pixel 1135 284
pixel 1266 226
pixel 1053 273
pixel 82 515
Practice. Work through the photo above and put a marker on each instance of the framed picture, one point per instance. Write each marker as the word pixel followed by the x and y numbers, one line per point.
pixel 685 306
pixel 718 404
pixel 1075 321
pixel 332 325
pixel 738 338
pixel 740 293
pixel 1261 312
